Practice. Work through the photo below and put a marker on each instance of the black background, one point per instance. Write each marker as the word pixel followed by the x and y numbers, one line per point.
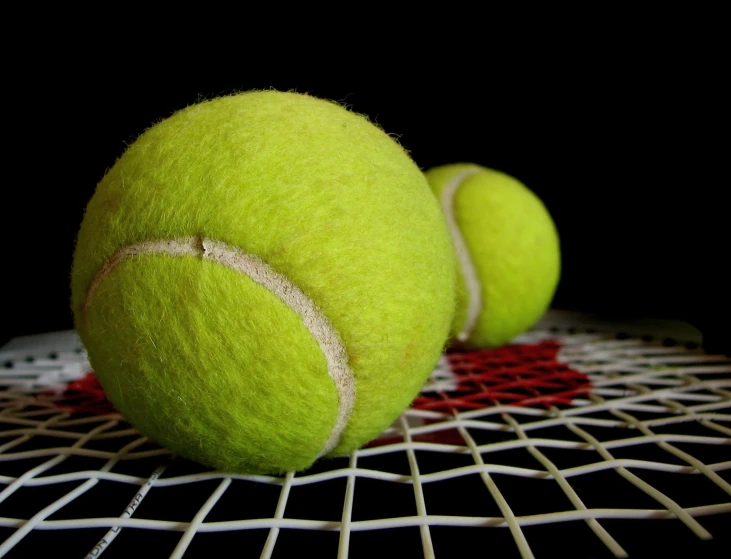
pixel 625 144
pixel 625 151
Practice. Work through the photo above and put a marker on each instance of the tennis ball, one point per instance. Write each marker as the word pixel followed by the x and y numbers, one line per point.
pixel 261 280
pixel 507 250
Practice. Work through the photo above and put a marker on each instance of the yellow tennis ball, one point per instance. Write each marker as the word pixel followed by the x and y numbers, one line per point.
pixel 261 280
pixel 507 250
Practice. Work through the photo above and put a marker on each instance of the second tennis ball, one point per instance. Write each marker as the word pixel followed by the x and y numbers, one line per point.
pixel 507 251
pixel 261 280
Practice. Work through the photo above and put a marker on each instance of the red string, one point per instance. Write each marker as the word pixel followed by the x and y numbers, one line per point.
pixel 85 395
pixel 517 375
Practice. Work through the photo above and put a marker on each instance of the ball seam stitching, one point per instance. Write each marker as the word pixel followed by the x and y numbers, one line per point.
pixel 464 259
pixel 234 258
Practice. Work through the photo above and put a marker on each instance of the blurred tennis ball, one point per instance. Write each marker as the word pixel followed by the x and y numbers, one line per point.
pixel 507 250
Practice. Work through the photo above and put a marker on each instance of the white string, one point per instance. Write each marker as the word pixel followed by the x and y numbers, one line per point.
pixel 678 385
pixel 346 520
pixel 278 515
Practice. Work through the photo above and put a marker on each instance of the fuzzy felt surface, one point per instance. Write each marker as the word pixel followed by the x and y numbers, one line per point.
pixel 514 248
pixel 210 363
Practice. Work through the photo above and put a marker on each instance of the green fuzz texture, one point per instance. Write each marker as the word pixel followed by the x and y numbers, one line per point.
pixel 214 366
pixel 514 247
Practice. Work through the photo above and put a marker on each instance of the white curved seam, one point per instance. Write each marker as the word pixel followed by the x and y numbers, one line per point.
pixel 259 271
pixel 464 259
